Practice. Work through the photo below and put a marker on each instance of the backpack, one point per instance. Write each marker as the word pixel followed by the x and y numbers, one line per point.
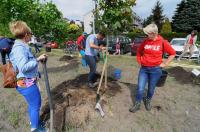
pixel 9 76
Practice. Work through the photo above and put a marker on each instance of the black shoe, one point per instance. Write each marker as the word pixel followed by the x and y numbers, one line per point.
pixel 91 85
pixel 135 108
pixel 147 103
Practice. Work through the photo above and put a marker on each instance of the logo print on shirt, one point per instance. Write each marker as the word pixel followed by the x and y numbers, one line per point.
pixel 152 47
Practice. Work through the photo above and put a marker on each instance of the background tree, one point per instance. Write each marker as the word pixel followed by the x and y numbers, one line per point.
pixel 166 27
pixel 187 16
pixel 44 19
pixel 156 16
pixel 147 21
pixel 115 15
pixel 73 28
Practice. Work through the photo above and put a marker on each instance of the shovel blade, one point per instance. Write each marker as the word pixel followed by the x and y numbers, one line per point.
pixel 99 108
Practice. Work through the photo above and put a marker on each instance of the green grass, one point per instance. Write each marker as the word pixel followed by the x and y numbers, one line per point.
pixel 3 108
pixel 13 118
pixel 70 128
pixel 54 52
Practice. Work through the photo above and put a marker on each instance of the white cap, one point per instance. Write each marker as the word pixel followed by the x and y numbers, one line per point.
pixel 151 28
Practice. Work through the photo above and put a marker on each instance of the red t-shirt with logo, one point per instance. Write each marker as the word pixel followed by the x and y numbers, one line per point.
pixel 150 51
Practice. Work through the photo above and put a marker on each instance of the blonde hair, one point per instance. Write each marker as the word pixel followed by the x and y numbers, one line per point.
pixel 151 28
pixel 19 29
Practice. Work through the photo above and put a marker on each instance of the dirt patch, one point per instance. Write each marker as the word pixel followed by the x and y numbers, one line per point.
pixel 66 58
pixel 72 64
pixel 74 102
pixel 182 76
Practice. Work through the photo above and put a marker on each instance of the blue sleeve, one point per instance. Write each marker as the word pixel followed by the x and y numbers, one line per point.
pixel 23 63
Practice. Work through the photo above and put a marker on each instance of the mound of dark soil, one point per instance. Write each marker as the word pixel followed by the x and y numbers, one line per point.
pixel 66 58
pixel 181 75
pixel 74 102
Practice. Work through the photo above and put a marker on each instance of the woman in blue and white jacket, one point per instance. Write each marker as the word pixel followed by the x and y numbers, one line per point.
pixel 26 64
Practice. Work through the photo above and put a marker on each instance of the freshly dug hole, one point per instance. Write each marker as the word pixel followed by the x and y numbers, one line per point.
pixel 74 102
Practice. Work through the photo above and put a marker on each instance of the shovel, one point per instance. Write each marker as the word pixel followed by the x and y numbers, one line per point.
pixel 98 105
pixel 44 66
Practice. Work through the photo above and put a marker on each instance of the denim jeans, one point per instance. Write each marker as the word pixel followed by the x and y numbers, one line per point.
pixel 150 75
pixel 3 55
pixel 37 50
pixel 91 61
pixel 33 99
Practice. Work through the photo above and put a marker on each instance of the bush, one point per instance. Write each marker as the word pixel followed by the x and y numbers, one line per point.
pixel 170 36
pixel 167 36
pixel 133 35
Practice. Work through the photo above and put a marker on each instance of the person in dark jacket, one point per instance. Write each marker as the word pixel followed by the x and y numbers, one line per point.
pixel 5 48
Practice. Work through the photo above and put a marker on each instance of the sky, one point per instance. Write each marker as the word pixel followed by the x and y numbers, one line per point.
pixel 76 9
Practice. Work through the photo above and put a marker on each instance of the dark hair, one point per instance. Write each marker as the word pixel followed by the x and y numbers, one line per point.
pixel 195 32
pixel 102 34
pixel 101 42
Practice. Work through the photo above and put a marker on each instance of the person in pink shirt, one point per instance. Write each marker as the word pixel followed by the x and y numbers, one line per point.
pixel 189 45
pixel 117 46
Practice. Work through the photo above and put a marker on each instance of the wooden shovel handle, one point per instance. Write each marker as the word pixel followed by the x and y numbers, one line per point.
pixel 102 74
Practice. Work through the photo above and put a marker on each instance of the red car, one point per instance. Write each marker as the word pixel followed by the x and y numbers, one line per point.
pixel 136 43
pixel 53 45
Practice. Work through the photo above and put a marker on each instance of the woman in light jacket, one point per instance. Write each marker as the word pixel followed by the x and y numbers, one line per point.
pixel 26 64
pixel 149 57
pixel 189 44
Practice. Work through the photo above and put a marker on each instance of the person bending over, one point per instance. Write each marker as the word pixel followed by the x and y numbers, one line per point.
pixel 90 54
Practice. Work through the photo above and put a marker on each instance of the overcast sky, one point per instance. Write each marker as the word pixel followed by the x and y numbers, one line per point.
pixel 75 9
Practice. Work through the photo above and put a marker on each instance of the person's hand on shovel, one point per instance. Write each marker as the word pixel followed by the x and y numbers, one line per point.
pixel 42 58
pixel 102 48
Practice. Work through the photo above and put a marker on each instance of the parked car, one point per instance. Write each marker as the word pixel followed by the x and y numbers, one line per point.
pixel 178 45
pixel 53 45
pixel 135 45
pixel 125 42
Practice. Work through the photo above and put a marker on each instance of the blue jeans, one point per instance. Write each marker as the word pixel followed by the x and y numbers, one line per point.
pixel 150 75
pixel 33 99
pixel 91 61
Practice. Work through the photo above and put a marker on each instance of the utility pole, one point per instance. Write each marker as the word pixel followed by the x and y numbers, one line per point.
pixel 94 15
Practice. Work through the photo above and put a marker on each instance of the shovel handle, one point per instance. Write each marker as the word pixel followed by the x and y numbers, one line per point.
pixel 102 74
pixel 48 93
pixel 106 71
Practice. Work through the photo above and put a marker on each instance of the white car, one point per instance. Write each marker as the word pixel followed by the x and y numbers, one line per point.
pixel 178 45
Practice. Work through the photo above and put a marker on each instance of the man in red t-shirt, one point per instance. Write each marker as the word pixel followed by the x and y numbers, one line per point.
pixel 149 57
pixel 81 47
pixel 81 41
pixel 189 44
